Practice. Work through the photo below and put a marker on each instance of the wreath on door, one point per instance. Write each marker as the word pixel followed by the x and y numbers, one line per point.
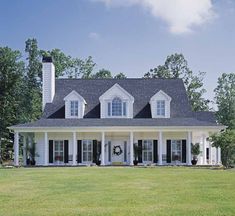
pixel 117 150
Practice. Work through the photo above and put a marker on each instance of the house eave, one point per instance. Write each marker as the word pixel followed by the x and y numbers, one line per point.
pixel 119 129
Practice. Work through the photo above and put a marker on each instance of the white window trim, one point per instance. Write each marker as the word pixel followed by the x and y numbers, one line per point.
pixel 148 161
pixel 179 161
pixel 111 108
pixel 54 161
pixel 163 116
pixel 87 162
pixel 75 101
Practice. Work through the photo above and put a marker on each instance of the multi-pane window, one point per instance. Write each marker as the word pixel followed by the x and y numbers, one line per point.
pixel 161 108
pixel 117 107
pixel 176 150
pixel 87 150
pixel 147 150
pixel 59 150
pixel 74 108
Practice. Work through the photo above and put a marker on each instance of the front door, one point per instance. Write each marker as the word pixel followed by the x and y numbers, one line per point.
pixel 117 152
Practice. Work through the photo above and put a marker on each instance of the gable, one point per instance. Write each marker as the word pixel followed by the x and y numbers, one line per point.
pixel 116 91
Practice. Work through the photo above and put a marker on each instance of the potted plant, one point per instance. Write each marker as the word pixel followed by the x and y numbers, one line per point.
pixel 137 150
pixel 195 150
pixel 31 151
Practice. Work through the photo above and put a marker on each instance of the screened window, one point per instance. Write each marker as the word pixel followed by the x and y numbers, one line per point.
pixel 176 150
pixel 117 107
pixel 87 150
pixel 147 150
pixel 74 108
pixel 59 150
pixel 161 108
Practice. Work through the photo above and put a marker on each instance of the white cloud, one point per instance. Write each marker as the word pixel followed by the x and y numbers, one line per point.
pixel 180 15
pixel 94 35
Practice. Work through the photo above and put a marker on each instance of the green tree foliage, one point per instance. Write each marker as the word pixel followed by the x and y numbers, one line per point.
pixel 11 83
pixel 226 141
pixel 102 74
pixel 33 81
pixel 176 66
pixel 225 100
pixel 120 76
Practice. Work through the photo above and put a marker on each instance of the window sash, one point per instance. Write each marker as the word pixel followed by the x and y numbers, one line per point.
pixel 59 150
pixel 176 150
pixel 161 108
pixel 147 152
pixel 74 108
pixel 87 150
pixel 117 108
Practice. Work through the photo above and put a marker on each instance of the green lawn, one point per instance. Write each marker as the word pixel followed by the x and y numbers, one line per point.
pixel 117 191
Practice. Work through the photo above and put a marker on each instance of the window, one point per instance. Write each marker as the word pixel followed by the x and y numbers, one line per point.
pixel 74 108
pixel 160 108
pixel 59 151
pixel 117 107
pixel 147 150
pixel 176 150
pixel 87 150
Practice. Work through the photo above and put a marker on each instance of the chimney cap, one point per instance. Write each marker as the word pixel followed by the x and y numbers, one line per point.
pixel 47 59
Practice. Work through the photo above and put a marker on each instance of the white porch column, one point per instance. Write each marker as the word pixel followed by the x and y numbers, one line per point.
pixel 210 153
pixel 16 148
pixel 204 149
pixel 160 148
pixel 24 150
pixel 102 148
pixel 46 149
pixel 131 147
pixel 189 141
pixel 219 155
pixel 74 148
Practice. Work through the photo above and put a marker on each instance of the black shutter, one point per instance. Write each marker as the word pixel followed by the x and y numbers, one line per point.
pixel 79 151
pixel 66 151
pixel 168 151
pixel 183 151
pixel 140 151
pixel 50 151
pixel 155 151
pixel 94 151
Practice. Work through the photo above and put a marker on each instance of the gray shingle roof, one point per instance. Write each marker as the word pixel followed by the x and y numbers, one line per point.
pixel 141 89
pixel 92 122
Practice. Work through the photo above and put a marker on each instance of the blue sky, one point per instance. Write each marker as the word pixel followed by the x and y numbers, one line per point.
pixel 129 36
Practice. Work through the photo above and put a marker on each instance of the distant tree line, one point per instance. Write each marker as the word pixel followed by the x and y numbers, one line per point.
pixel 21 85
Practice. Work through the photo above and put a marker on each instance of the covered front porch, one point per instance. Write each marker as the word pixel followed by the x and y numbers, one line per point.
pixel 115 147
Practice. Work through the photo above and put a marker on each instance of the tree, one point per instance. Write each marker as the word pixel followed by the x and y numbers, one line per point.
pixel 225 100
pixel 120 76
pixel 11 83
pixel 64 64
pixel 226 141
pixel 102 74
pixel 33 82
pixel 86 68
pixel 176 66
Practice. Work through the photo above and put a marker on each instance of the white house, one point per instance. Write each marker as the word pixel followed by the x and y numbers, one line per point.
pixel 85 120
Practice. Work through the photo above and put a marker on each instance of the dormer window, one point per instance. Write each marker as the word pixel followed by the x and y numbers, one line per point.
pixel 74 108
pixel 161 108
pixel 74 105
pixel 116 102
pixel 117 107
pixel 160 104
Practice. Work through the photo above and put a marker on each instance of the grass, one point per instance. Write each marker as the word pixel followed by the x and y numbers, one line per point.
pixel 117 191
